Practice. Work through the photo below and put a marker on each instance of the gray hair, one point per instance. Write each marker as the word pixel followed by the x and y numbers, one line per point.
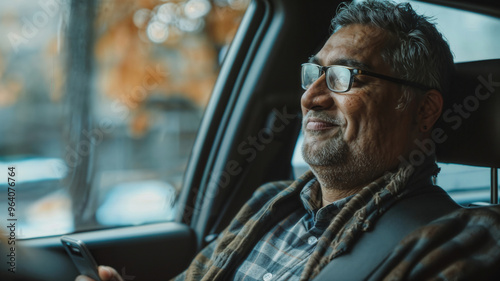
pixel 416 50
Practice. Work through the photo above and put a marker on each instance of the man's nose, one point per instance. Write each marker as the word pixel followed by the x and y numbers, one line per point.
pixel 317 96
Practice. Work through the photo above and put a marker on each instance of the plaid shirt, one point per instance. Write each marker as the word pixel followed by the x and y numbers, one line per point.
pixel 273 203
pixel 282 253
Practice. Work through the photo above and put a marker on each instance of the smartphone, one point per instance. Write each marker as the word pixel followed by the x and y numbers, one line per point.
pixel 81 256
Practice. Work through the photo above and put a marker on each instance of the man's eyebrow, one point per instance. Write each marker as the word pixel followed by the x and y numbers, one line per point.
pixel 343 61
pixel 352 63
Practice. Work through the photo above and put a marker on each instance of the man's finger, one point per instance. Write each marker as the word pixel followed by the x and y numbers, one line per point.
pixel 107 273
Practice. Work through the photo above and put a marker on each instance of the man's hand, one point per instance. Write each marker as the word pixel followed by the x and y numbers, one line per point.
pixel 106 273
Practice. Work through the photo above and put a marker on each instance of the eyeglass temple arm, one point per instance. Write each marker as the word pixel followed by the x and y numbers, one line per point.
pixel 395 80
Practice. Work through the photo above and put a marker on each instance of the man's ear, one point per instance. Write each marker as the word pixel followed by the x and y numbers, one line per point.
pixel 429 110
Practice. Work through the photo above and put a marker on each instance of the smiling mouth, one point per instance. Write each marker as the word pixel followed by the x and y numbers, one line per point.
pixel 314 124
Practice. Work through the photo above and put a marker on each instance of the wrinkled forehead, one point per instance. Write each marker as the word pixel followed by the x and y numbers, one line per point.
pixel 361 45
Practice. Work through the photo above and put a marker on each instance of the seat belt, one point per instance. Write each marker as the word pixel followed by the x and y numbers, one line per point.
pixel 364 260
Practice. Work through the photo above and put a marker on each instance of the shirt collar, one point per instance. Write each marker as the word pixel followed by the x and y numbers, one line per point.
pixel 312 201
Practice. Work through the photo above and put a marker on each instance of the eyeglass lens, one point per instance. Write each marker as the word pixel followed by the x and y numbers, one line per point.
pixel 337 77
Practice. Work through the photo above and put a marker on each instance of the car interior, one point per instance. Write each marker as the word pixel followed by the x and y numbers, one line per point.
pixel 248 135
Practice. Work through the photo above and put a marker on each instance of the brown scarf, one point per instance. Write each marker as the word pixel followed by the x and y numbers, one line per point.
pixel 359 214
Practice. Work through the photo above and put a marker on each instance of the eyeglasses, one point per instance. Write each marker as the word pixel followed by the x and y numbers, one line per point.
pixel 339 78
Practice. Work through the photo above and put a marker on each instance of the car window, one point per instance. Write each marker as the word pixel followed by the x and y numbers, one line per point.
pixel 114 155
pixel 471 37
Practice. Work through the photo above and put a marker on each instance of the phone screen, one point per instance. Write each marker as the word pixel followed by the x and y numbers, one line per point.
pixel 81 256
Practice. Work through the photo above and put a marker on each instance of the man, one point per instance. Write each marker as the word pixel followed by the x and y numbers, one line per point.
pixel 373 90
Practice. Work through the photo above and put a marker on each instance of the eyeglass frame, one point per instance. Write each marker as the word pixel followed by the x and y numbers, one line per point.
pixel 356 71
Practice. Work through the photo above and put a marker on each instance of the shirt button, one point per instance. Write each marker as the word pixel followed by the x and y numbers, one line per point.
pixel 267 276
pixel 312 240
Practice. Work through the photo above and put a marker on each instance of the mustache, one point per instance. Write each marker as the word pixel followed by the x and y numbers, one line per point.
pixel 323 116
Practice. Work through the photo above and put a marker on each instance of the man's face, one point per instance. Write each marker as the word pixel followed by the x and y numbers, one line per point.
pixel 360 133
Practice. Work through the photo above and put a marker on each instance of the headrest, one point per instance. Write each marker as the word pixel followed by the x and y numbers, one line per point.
pixel 471 116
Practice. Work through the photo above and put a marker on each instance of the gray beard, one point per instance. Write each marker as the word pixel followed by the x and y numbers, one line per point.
pixel 337 166
pixel 332 153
